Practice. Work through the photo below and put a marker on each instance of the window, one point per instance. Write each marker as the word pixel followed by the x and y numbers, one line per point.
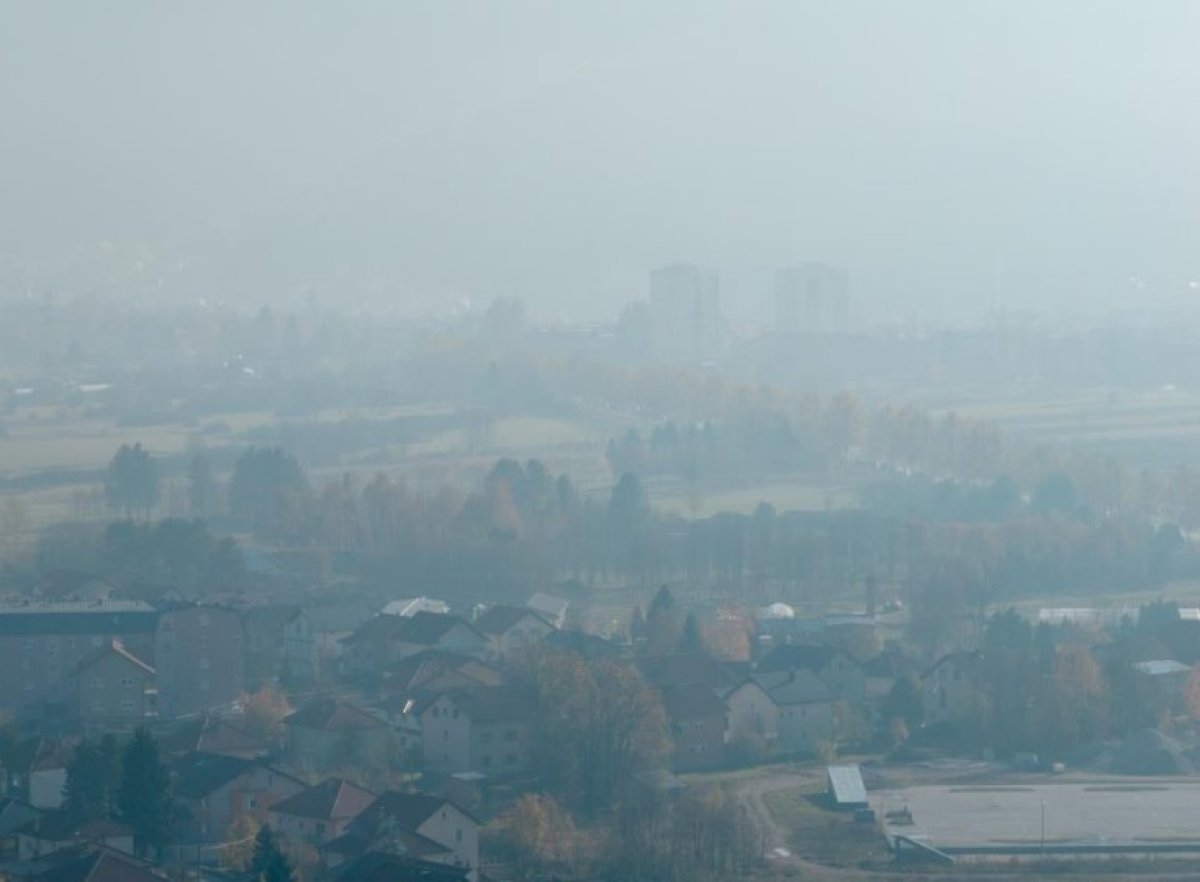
pixel 98 707
pixel 485 737
pixel 204 662
pixel 127 704
pixel 510 734
pixel 250 802
pixel 511 759
pixel 127 681
pixel 97 683
pixel 455 714
pixel 203 684
pixel 458 835
pixel 203 620
pixel 487 761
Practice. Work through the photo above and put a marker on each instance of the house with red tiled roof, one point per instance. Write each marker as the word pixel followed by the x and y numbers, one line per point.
pixel 327 732
pixel 322 812
pixel 115 691
pixel 215 792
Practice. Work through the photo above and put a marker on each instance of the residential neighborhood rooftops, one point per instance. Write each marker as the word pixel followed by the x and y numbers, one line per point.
pixel 337 618
pixel 797 656
pixel 40 753
pixel 382 867
pixel 793 687
pixel 81 617
pixel 485 704
pixel 60 826
pixel 409 810
pixel 211 734
pixel 409 606
pixel 197 775
pixel 331 715
pixel 421 628
pixel 100 865
pixel 692 701
pixel 500 619
pixel 332 799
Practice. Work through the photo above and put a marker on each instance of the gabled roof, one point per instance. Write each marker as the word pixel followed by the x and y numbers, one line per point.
pixel 801 656
pixel 211 734
pixel 970 661
pixel 793 687
pixel 435 668
pixel 334 799
pixel 409 810
pixel 548 605
pixel 114 647
pixel 691 668
pixel 272 615
pixel 485 704
pixel 337 618
pixel 410 605
pixel 83 617
pixel 500 619
pixel 379 867
pixel 59 826
pixel 692 701
pixel 331 715
pixel 40 753
pixel 422 628
pixel 197 775
pixel 409 842
pixel 590 646
pixel 102 865
pixel 13 814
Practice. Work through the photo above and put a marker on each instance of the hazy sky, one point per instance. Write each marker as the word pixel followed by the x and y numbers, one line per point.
pixel 947 153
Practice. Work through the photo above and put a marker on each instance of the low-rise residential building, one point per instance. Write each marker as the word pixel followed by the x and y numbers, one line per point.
pixel 36 771
pixel 215 792
pixel 437 829
pixel 97 865
pixel 57 831
pixel 699 722
pixel 14 814
pixel 385 640
pixel 327 732
pixel 952 688
pixel 322 812
pixel 834 667
pixel 115 691
pixel 269 647
pixel 753 714
pixel 510 629
pixel 482 730
pixel 805 710
pixel 212 734
pixel 552 609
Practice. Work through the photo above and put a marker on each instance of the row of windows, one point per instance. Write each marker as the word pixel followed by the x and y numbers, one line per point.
pixel 126 705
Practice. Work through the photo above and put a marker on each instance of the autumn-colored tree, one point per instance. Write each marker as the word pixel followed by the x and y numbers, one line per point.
pixel 263 712
pixel 537 837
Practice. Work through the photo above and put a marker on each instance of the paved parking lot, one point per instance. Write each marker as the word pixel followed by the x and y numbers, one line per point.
pixel 1106 814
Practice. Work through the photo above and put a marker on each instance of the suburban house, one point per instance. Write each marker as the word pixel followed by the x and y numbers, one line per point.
pixel 834 667
pixel 951 688
pixel 552 609
pixel 699 722
pixel 14 814
pixel 330 626
pixel 752 712
pixel 321 812
pixel 510 629
pixel 805 710
pixel 386 639
pixel 683 669
pixel 327 732
pixel 418 824
pixel 434 669
pixel 212 734
pixel 485 730
pixel 36 771
pixel 199 656
pixel 214 792
pixel 57 831
pixel 115 691
pixel 43 644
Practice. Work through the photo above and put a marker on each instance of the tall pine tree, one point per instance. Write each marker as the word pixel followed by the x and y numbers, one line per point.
pixel 93 777
pixel 269 863
pixel 144 800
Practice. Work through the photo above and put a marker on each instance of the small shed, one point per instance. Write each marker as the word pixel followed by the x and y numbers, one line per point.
pixel 845 787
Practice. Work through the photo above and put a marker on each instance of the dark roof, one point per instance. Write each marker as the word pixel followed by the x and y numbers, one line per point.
pixel 692 668
pixel 499 619
pixel 692 701
pixel 36 754
pixel 98 617
pixel 335 618
pixel 209 734
pixel 793 687
pixel 427 628
pixel 332 799
pixel 331 715
pixel 114 647
pixel 590 646
pixel 380 867
pixel 800 656
pixel 102 865
pixel 408 810
pixel 969 661
pixel 486 704
pixel 13 814
pixel 274 615
pixel 59 826
pixel 410 842
pixel 198 774
pixel 435 668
